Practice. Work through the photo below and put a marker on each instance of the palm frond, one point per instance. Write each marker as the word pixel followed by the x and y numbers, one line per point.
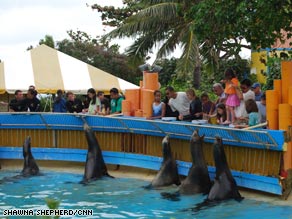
pixel 174 40
pixel 156 17
pixel 190 57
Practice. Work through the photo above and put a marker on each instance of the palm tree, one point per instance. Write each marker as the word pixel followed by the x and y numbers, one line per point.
pixel 165 23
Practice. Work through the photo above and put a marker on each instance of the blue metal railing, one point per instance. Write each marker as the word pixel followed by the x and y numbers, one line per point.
pixel 258 138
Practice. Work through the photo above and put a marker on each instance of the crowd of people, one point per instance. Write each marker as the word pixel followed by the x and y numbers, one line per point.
pixel 95 103
pixel 238 104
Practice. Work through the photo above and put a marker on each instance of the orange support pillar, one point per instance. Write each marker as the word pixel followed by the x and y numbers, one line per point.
pixel 286 70
pixel 278 87
pixel 285 121
pixel 272 106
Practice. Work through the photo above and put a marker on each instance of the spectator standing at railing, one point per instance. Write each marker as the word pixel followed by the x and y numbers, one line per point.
pixel 158 107
pixel 94 104
pixel 116 101
pixel 18 97
pixel 245 94
pixel 178 101
pixel 195 107
pixel 256 88
pixel 262 108
pixel 73 104
pixel 31 102
pixel 59 105
pixel 219 91
pixel 105 104
pixel 207 105
pixel 13 106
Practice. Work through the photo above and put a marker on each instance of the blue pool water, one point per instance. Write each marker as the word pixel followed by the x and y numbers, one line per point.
pixel 121 198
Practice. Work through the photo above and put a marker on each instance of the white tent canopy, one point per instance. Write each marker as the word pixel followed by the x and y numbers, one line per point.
pixel 50 70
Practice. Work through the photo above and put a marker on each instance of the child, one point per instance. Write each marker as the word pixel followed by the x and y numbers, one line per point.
pixel 158 107
pixel 231 84
pixel 252 111
pixel 253 115
pixel 221 113
pixel 207 105
pixel 262 108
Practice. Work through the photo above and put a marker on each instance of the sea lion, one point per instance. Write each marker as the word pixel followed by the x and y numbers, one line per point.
pixel 224 186
pixel 95 167
pixel 168 172
pixel 198 179
pixel 30 167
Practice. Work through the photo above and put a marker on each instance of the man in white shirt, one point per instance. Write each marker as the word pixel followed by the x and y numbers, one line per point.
pixel 246 94
pixel 178 101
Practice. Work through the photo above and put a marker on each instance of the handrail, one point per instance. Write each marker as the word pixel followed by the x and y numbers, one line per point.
pixel 255 138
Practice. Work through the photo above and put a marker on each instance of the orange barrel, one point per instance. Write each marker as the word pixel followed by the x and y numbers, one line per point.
pixel 286 72
pixel 148 99
pixel 273 119
pixel 287 156
pixel 272 99
pixel 138 113
pixel 285 116
pixel 133 95
pixel 278 87
pixel 285 120
pixel 150 81
pixel 126 107
pixel 290 95
pixel 272 106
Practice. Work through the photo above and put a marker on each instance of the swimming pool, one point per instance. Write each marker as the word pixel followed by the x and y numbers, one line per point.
pixel 120 198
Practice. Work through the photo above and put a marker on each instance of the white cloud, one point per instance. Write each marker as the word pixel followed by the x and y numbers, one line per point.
pixel 25 22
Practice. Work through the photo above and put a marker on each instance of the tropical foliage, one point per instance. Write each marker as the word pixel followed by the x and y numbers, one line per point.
pixel 207 31
pixel 274 67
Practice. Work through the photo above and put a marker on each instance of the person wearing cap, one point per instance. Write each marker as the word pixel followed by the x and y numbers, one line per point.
pixel 256 88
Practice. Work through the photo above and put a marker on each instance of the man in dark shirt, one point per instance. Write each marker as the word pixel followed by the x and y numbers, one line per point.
pixel 13 107
pixel 196 111
pixel 73 104
pixel 31 102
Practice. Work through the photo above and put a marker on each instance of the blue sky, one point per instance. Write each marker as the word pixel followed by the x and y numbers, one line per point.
pixel 25 22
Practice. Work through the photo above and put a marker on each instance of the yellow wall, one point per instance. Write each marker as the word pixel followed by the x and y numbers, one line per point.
pixel 258 67
pixel 258 59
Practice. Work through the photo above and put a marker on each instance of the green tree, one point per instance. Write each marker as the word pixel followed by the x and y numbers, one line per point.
pixel 273 64
pixel 48 40
pixel 207 31
pixel 161 23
